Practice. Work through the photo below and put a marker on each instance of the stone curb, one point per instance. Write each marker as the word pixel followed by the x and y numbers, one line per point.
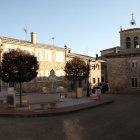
pixel 52 112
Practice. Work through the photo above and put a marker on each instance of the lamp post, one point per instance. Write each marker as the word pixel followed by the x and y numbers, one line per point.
pixel 88 74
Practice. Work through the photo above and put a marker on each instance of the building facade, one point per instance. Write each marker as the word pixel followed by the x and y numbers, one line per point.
pixel 96 74
pixel 123 66
pixel 50 57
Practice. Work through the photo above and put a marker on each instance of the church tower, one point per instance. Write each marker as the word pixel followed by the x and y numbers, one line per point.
pixel 123 66
pixel 130 38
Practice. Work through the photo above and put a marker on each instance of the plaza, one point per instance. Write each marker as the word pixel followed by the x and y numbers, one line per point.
pixel 63 105
pixel 119 120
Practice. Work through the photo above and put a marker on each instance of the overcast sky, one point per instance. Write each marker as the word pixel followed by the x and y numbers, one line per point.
pixel 85 26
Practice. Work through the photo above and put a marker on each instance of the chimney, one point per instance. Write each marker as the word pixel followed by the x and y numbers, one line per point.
pixel 67 50
pixel 33 37
pixel 96 56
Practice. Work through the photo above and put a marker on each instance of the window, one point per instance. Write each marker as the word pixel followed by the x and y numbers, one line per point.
pixel 94 80
pixel 39 55
pixel 94 66
pixel 134 64
pixel 128 42
pixel 136 42
pixel 134 82
pixel 98 80
pixel 48 55
pixel 59 56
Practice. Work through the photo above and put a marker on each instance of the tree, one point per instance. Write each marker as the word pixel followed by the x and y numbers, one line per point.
pixel 17 67
pixel 76 70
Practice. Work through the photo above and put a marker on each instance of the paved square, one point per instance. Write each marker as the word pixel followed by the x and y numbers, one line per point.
pixel 117 121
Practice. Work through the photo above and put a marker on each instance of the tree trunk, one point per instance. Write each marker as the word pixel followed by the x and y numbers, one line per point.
pixel 88 94
pixel 77 85
pixel 20 94
pixel 88 84
pixel 80 83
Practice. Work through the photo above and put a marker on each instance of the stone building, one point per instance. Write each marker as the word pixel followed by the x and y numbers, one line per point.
pixel 96 74
pixel 110 50
pixel 123 66
pixel 50 57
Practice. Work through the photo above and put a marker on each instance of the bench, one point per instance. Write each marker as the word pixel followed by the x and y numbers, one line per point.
pixel 42 101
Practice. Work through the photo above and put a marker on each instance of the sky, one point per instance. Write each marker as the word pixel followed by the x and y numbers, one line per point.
pixel 85 26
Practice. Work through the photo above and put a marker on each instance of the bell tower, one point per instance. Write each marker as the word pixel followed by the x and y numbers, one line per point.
pixel 130 38
pixel 132 22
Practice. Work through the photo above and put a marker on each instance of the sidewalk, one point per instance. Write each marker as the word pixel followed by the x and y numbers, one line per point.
pixel 68 105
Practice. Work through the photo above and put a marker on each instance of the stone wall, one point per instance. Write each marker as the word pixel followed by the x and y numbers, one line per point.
pixel 120 74
pixel 37 86
pixel 129 33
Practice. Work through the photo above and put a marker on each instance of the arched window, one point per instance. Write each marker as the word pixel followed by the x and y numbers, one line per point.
pixel 136 42
pixel 128 42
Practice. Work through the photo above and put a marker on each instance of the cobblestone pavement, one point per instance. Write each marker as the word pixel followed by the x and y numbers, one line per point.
pixel 117 121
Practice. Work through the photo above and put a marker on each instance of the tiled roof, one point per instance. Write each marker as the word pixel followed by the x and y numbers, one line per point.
pixel 86 57
pixel 26 43
pixel 81 56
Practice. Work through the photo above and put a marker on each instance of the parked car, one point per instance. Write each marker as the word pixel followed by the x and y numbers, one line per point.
pixel 103 86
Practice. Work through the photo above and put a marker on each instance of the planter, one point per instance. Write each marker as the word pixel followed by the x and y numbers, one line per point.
pixel 79 92
pixel 11 97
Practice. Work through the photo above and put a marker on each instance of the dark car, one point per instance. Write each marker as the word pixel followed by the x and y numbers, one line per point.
pixel 103 86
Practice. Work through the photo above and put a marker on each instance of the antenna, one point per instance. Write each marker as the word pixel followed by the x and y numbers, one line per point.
pixel 26 32
pixel 53 40
pixel 120 28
